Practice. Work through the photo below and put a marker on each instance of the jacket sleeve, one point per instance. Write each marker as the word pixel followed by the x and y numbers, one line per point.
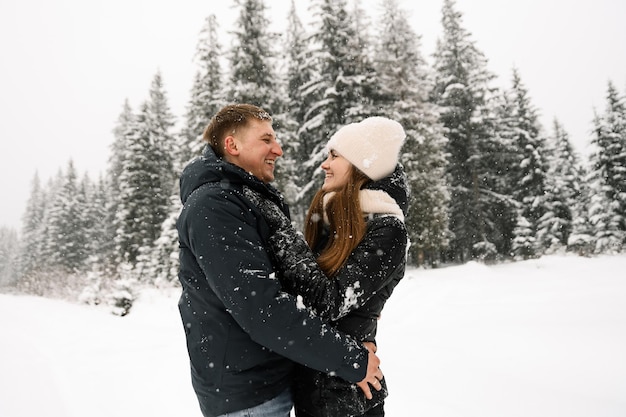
pixel 368 269
pixel 223 234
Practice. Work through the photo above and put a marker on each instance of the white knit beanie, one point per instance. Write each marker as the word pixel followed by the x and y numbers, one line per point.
pixel 372 145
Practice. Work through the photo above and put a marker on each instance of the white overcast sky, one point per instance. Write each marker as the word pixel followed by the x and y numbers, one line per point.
pixel 66 67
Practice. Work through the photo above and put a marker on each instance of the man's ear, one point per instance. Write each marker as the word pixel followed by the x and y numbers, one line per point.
pixel 230 146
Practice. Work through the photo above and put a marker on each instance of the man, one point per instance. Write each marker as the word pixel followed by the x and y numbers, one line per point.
pixel 243 332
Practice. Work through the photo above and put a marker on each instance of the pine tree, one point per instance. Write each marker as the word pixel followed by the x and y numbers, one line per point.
pixel 581 240
pixel 462 91
pixel 608 175
pixel 360 77
pixel 142 205
pixel 252 59
pixel 119 145
pixel 298 73
pixel 524 246
pixel 206 99
pixel 147 180
pixel 96 230
pixel 117 160
pixel 66 236
pixel 47 258
pixel 338 93
pixel 9 244
pixel 206 93
pixel 54 252
pixel 161 122
pixel 531 181
pixel 100 272
pixel 164 149
pixel 161 267
pixel 504 158
pixel 562 192
pixel 403 96
pixel 32 219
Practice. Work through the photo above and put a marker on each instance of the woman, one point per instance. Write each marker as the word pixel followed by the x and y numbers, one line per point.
pixel 355 229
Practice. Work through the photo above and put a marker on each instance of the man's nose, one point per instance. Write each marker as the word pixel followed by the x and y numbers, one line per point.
pixel 277 149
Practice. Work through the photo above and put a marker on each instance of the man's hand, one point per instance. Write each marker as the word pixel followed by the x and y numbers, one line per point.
pixel 374 374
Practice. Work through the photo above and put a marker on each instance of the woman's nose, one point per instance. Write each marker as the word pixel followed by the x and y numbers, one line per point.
pixel 325 164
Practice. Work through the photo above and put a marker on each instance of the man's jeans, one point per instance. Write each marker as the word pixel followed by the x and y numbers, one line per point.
pixel 279 406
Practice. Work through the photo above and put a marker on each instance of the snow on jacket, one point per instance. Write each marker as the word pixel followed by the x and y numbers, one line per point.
pixel 243 331
pixel 353 299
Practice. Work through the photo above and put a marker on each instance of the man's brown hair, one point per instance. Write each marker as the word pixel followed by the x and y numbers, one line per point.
pixel 227 120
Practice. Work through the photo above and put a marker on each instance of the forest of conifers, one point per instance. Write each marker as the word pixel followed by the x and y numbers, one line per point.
pixel 488 181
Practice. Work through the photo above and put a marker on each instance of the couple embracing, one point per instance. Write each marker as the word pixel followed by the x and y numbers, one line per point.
pixel 276 319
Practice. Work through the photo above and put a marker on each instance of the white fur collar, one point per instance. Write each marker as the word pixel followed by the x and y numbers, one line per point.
pixel 374 202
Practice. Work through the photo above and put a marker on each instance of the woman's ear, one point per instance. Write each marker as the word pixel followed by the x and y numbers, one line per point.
pixel 230 146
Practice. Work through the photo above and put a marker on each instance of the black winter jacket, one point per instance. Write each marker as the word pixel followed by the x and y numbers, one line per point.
pixel 352 300
pixel 242 330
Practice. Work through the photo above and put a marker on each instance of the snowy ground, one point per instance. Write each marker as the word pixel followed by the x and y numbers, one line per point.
pixel 529 339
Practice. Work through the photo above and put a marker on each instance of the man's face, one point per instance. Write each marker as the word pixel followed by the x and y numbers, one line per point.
pixel 257 149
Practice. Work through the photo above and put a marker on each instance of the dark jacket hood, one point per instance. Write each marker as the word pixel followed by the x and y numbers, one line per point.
pixel 209 168
pixel 396 185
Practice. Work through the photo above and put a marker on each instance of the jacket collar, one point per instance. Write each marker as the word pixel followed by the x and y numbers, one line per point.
pixel 209 168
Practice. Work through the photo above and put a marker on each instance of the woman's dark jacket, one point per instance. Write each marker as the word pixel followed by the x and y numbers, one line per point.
pixel 352 300
pixel 243 331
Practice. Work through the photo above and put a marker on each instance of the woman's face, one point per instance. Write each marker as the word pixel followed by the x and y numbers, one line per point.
pixel 337 170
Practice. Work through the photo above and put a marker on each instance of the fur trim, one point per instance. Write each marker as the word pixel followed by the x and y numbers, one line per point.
pixel 379 202
pixel 372 202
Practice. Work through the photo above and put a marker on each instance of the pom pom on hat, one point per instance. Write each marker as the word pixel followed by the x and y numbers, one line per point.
pixel 372 145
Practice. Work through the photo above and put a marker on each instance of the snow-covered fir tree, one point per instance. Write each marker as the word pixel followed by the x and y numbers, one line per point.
pixel 119 145
pixel 30 236
pixel 361 83
pixel 404 84
pixel 337 94
pixel 252 59
pixel 99 271
pixel 99 240
pixel 524 245
pixel 503 156
pixel 161 123
pixel 145 186
pixel 529 175
pixel 297 72
pixel 562 186
pixel 608 175
pixel 9 246
pixel 53 252
pixel 66 241
pixel 206 98
pixel 161 266
pixel 462 91
pixel 44 245
pixel 115 168
pixel 581 240
pixel 207 93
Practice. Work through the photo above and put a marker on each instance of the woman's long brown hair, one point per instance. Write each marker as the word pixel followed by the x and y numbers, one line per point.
pixel 347 224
